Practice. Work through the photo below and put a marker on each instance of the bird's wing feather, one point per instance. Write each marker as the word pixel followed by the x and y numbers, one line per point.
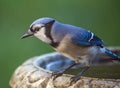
pixel 86 38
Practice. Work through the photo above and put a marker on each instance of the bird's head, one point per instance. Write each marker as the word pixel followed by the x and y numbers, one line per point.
pixel 41 29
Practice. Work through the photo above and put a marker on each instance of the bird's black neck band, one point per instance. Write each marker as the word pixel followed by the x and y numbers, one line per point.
pixel 48 29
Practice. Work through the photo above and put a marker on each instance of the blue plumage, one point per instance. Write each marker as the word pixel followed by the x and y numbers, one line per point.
pixel 76 43
pixel 86 38
pixel 110 53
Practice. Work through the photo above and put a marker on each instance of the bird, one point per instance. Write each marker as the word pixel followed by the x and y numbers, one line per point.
pixel 78 44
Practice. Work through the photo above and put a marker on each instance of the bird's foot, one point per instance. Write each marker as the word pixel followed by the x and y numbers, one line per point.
pixel 74 79
pixel 56 74
pixel 78 76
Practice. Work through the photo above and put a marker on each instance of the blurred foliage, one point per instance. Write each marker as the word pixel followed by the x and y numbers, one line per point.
pixel 100 16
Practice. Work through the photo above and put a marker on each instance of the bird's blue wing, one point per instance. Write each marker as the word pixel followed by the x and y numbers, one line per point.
pixel 86 38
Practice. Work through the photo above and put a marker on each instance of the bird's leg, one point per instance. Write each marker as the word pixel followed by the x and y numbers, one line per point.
pixel 78 76
pixel 60 73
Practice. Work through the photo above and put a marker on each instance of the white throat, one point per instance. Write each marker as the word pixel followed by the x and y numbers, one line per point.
pixel 41 35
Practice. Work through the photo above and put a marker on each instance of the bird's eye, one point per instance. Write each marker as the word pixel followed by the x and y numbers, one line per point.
pixel 37 29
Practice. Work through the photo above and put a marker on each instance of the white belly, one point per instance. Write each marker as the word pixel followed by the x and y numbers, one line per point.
pixel 82 55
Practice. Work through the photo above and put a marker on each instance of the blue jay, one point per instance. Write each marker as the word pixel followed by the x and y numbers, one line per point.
pixel 76 43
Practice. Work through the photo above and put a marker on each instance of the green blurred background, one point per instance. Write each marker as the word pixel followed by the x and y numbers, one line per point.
pixel 100 16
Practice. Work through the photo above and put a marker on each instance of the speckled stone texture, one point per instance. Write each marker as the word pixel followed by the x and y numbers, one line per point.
pixel 31 75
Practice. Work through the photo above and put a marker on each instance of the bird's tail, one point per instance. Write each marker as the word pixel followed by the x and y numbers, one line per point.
pixel 110 53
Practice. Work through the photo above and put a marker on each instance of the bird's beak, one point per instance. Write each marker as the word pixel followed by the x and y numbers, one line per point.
pixel 27 34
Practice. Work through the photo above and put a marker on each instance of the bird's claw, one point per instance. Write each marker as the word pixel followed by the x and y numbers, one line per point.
pixel 56 74
pixel 74 79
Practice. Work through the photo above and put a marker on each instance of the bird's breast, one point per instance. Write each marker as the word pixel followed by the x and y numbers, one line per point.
pixel 75 52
